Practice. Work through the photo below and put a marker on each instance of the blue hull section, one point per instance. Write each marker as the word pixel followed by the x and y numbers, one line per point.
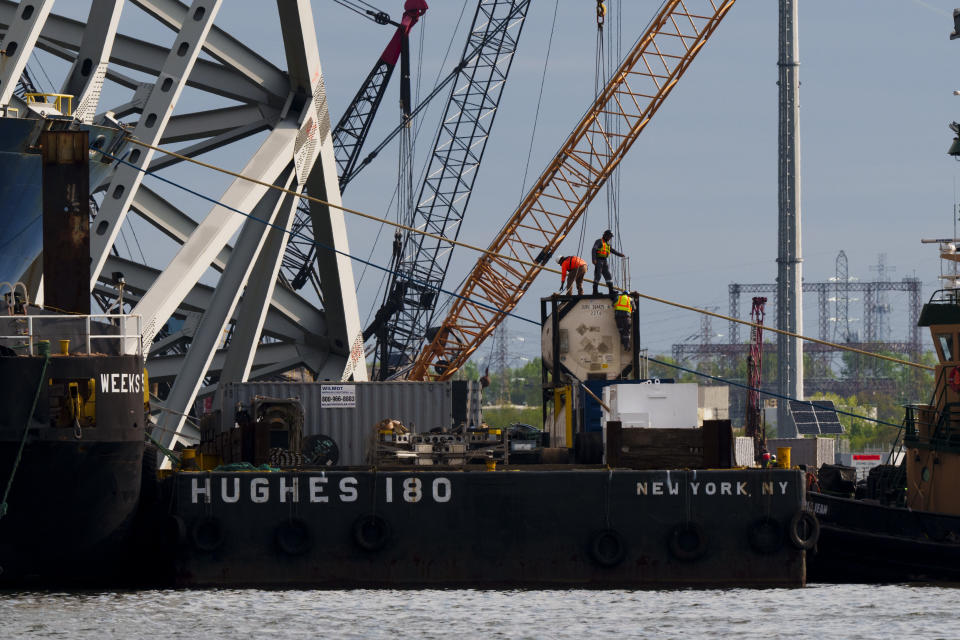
pixel 21 237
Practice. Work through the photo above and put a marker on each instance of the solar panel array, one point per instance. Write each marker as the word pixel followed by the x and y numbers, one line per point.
pixel 820 417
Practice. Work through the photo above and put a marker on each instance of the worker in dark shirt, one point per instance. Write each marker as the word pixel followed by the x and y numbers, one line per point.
pixel 601 251
pixel 573 269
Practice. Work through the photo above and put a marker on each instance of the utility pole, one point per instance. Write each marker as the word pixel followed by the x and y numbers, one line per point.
pixel 789 261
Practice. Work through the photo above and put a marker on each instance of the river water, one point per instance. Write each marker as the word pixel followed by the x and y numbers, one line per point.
pixel 818 611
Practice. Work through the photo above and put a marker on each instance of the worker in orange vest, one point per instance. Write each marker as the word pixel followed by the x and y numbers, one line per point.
pixel 601 251
pixel 572 269
pixel 622 312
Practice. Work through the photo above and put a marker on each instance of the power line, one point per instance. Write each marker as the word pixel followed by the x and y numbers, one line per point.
pixel 523 318
pixel 486 252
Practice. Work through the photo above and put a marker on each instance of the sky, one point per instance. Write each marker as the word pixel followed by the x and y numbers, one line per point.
pixel 699 188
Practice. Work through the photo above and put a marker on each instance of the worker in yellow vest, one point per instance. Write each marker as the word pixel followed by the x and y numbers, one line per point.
pixel 601 251
pixel 622 313
pixel 572 269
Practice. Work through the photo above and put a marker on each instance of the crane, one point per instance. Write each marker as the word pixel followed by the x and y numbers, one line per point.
pixel 553 205
pixel 420 261
pixel 352 129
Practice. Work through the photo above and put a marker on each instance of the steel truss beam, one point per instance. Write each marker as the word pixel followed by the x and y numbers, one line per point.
pixel 157 110
pixel 62 37
pixel 576 174
pixel 320 179
pixel 23 25
pixel 90 68
pixel 278 325
pixel 214 321
pixel 292 106
pixel 214 231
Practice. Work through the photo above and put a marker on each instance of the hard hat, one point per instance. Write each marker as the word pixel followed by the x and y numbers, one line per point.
pixel 560 260
pixel 608 233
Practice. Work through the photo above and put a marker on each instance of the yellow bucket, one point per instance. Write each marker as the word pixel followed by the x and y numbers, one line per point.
pixel 783 458
pixel 64 347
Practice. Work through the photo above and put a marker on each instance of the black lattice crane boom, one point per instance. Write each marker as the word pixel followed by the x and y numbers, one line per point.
pixel 420 262
pixel 573 178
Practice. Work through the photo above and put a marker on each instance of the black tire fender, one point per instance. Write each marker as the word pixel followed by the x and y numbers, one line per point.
pixel 688 541
pixel 175 530
pixel 804 530
pixel 293 537
pixel 608 548
pixel 208 534
pixel 371 532
pixel 765 536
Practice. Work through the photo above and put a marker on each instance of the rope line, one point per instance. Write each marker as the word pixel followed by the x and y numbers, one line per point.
pixel 486 252
pixel 23 439
pixel 406 276
pixel 771 393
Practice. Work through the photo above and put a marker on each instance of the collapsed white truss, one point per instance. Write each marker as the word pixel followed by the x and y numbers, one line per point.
pixel 273 329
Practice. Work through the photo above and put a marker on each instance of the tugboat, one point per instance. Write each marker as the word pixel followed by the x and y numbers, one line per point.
pixel 72 416
pixel 907 525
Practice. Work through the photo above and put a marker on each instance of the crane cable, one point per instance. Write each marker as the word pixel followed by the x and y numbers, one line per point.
pixel 494 254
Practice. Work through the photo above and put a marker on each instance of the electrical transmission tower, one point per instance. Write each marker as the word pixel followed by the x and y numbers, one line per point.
pixel 841 299
pixel 877 309
pixel 499 359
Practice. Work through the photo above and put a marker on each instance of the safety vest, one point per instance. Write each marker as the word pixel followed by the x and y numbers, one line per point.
pixel 623 304
pixel 604 249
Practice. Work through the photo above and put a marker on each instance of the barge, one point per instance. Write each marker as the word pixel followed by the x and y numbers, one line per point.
pixel 593 505
pixel 509 528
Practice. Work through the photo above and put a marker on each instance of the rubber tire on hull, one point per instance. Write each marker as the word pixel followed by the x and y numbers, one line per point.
pixel 608 548
pixel 293 537
pixel 175 530
pixel 208 534
pixel 804 530
pixel 688 541
pixel 371 532
pixel 765 536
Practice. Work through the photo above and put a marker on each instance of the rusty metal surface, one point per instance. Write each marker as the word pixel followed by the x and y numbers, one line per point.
pixel 66 220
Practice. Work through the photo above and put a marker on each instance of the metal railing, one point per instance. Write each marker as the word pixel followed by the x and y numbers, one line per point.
pixel 62 102
pixel 58 328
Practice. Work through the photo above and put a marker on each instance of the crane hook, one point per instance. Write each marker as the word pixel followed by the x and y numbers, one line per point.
pixel 601 13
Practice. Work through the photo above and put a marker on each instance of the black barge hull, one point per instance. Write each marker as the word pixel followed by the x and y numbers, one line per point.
pixel 866 542
pixel 550 528
pixel 74 492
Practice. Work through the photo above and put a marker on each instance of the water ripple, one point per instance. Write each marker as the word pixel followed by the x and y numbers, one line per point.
pixel 848 611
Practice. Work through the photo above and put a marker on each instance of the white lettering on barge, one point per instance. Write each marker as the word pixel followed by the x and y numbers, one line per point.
pixel 121 383
pixel 317 490
pixel 700 488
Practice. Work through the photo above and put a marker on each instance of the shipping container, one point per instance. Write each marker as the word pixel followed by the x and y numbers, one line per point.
pixel 347 412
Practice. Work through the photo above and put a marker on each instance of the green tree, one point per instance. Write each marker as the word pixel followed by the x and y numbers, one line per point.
pixel 469 371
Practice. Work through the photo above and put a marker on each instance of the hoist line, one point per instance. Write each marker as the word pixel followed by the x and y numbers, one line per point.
pixel 488 253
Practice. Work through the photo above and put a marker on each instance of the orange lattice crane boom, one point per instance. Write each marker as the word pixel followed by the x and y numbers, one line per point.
pixel 571 181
